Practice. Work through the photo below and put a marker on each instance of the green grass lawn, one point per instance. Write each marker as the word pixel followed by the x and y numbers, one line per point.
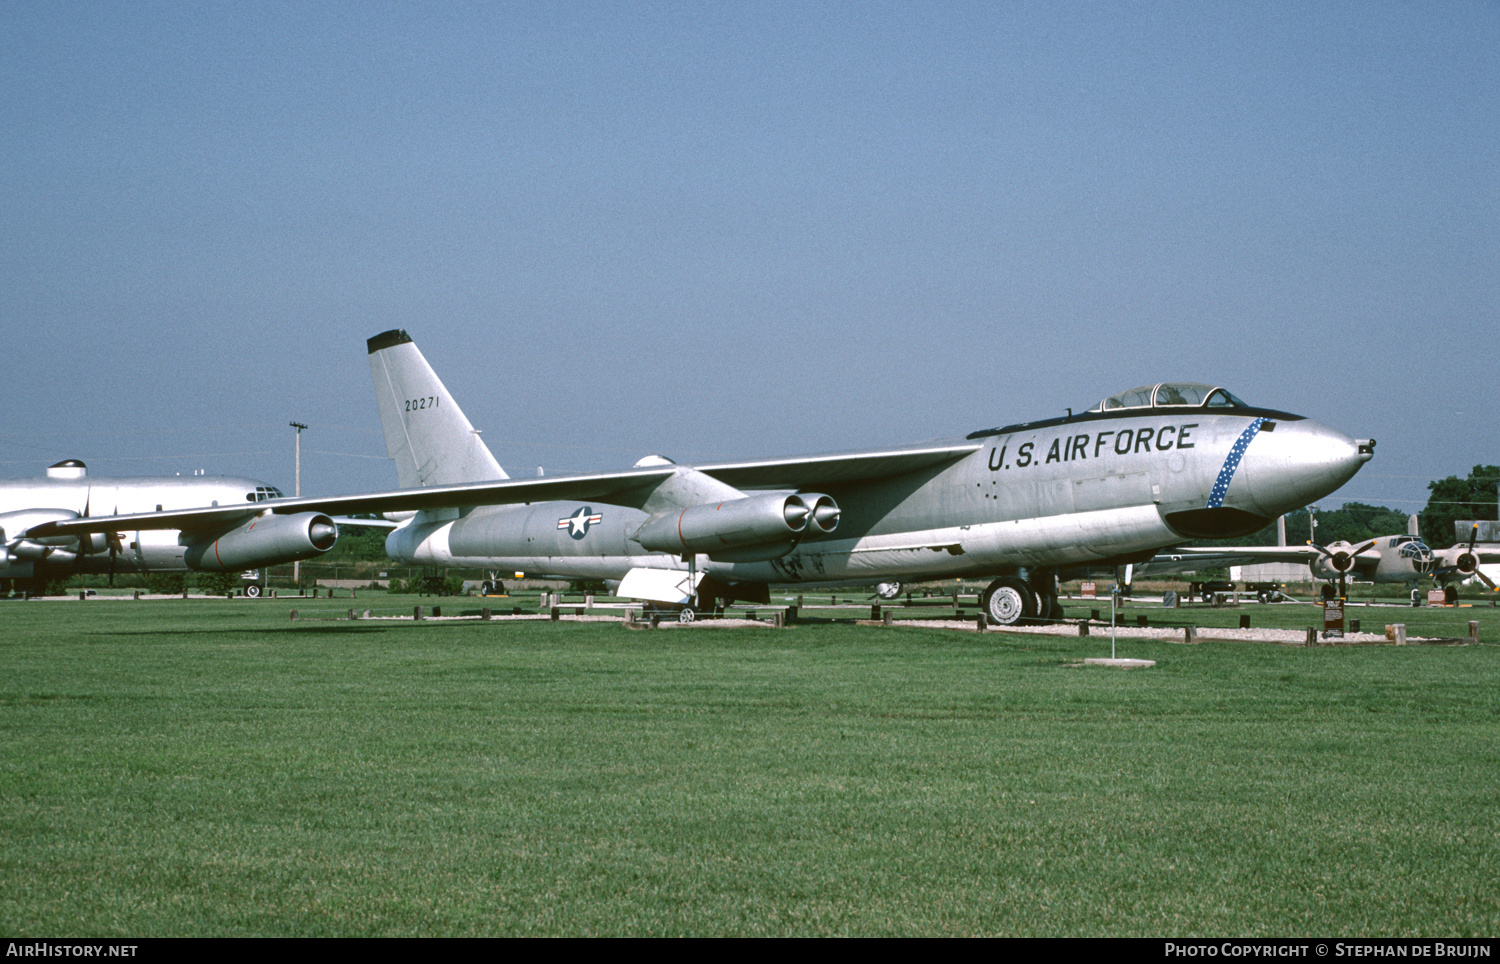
pixel 207 768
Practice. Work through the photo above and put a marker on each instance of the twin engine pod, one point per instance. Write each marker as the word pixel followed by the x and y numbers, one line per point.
pixel 267 540
pixel 741 530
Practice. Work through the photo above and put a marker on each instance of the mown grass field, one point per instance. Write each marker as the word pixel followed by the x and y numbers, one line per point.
pixel 209 768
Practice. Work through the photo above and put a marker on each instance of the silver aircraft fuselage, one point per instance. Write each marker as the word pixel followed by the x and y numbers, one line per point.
pixel 1097 488
pixel 1026 504
pixel 70 493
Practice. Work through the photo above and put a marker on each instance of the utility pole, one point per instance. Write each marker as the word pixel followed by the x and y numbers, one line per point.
pixel 297 492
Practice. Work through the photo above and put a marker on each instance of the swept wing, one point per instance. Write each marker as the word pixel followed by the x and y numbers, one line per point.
pixel 628 487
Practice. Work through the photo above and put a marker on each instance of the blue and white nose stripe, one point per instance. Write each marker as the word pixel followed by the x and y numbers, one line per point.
pixel 1226 472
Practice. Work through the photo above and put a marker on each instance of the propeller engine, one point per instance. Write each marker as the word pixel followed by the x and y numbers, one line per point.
pixel 17 543
pixel 1463 560
pixel 1337 558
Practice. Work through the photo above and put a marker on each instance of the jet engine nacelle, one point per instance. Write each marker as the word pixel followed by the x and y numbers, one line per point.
pixel 765 525
pixel 823 513
pixel 264 541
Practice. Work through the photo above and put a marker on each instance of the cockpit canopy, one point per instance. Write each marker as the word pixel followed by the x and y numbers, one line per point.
pixel 1171 395
pixel 264 493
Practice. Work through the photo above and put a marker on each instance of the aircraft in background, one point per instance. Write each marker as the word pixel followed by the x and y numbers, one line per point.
pixel 1023 504
pixel 1483 534
pixel 32 553
pixel 1384 559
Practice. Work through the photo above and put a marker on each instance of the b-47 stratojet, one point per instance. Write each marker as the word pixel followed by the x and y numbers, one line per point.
pixel 1022 504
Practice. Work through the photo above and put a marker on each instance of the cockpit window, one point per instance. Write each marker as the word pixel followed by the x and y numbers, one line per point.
pixel 1222 399
pixel 1135 398
pixel 262 493
pixel 1416 552
pixel 1171 395
pixel 1181 394
pixel 1174 396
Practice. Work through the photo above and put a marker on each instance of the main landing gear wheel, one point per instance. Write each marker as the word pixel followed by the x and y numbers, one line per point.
pixel 1048 607
pixel 253 592
pixel 888 590
pixel 686 614
pixel 1009 601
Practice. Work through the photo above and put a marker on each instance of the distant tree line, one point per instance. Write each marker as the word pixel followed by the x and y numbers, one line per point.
pixel 1454 499
pixel 358 543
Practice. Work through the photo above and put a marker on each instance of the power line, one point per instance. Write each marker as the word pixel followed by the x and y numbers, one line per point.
pixel 147 458
pixel 350 455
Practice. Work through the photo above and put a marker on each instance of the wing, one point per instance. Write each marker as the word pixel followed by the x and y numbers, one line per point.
pixel 1186 558
pixel 631 487
pixel 502 492
pixel 830 469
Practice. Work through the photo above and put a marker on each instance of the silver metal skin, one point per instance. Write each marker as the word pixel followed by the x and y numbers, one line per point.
pixel 30 508
pixel 1023 504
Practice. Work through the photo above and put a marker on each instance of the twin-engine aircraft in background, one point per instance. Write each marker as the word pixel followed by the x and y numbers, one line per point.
pixel 32 552
pixel 1022 505
pixel 1384 559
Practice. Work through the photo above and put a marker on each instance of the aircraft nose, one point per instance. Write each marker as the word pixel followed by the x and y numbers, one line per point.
pixel 1299 462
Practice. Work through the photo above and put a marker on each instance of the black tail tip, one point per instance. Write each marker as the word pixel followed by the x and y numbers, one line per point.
pixel 396 336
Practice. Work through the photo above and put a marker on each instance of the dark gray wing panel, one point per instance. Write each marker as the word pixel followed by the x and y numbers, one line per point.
pixel 812 471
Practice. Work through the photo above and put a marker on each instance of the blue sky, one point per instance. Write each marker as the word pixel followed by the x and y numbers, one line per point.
pixel 720 231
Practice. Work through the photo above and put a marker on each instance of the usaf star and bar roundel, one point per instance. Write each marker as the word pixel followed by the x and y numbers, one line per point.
pixel 578 523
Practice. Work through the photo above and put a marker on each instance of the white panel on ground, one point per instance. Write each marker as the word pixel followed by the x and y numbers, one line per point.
pixel 660 585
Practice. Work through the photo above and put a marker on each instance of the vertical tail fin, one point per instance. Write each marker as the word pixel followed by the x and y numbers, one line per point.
pixel 426 433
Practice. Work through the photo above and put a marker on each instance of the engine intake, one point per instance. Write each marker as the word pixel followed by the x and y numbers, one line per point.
pixel 264 541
